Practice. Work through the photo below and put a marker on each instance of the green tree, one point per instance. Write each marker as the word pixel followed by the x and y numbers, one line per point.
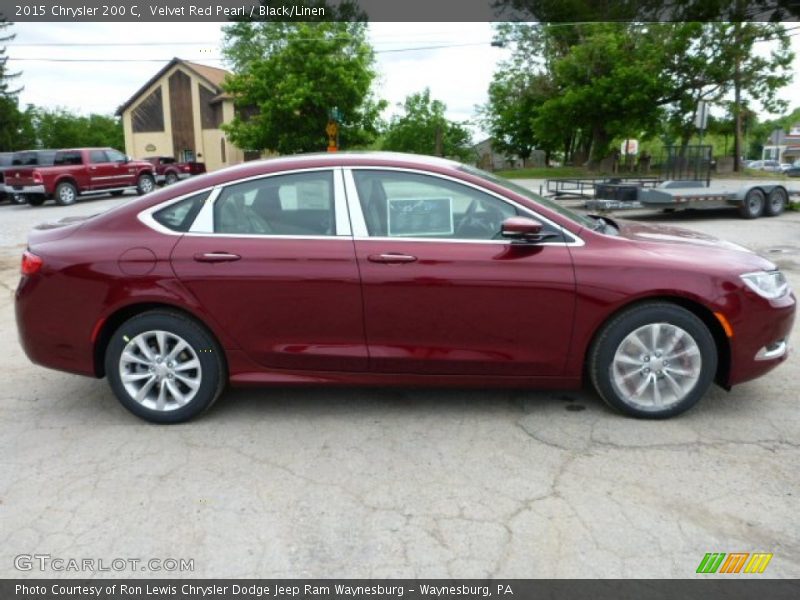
pixel 12 120
pixel 59 128
pixel 424 129
pixel 288 76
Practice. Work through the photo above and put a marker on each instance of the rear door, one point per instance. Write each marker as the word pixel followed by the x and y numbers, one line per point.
pixel 272 260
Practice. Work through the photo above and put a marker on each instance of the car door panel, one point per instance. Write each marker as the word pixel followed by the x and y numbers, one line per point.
pixel 467 308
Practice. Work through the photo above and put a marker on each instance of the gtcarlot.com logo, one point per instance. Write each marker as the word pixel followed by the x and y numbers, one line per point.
pixel 736 562
pixel 47 562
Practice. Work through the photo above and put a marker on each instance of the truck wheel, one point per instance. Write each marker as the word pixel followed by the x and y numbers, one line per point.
pixel 145 184
pixel 18 199
pixel 66 193
pixel 753 204
pixel 35 199
pixel 170 178
pixel 776 202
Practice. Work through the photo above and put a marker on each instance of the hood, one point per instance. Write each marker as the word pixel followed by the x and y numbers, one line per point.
pixel 642 232
pixel 692 246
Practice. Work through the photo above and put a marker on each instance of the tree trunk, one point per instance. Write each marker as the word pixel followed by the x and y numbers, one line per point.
pixel 599 145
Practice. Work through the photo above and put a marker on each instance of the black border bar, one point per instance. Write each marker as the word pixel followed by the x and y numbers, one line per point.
pixel 398 10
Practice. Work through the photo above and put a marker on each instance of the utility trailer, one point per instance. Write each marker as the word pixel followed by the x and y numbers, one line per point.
pixel 685 183
pixel 752 200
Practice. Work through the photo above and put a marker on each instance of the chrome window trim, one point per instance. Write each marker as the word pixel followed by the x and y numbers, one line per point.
pixel 203 224
pixel 360 232
pixel 146 216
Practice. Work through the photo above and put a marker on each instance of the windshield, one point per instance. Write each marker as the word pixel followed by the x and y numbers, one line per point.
pixel 523 191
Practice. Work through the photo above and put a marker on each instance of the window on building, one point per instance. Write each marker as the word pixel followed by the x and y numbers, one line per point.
pixel 148 116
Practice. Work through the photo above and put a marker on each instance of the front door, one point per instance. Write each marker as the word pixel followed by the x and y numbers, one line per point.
pixel 442 294
pixel 278 272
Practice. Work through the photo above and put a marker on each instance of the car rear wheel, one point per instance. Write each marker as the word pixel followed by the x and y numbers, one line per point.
pixel 753 204
pixel 654 361
pixel 776 202
pixel 145 184
pixel 66 193
pixel 170 178
pixel 164 367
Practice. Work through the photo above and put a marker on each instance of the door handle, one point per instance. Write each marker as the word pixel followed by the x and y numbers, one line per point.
pixel 391 258
pixel 216 257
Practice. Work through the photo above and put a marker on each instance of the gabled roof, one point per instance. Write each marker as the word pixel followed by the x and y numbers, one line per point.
pixel 212 76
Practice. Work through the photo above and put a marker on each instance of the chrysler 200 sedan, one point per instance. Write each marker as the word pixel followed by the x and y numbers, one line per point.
pixel 386 269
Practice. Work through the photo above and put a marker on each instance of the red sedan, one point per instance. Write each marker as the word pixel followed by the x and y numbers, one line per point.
pixel 389 269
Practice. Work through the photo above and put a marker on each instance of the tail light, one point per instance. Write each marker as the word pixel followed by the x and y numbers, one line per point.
pixel 37 177
pixel 31 263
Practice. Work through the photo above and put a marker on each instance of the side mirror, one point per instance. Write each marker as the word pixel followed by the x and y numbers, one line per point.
pixel 524 230
pixel 127 159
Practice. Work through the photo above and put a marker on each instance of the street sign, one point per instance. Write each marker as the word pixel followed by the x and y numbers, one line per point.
pixel 701 117
pixel 629 147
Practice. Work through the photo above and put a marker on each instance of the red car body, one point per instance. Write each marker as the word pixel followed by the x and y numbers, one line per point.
pixel 84 170
pixel 169 171
pixel 351 310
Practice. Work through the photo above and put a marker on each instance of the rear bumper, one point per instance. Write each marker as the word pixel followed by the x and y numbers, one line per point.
pixel 25 189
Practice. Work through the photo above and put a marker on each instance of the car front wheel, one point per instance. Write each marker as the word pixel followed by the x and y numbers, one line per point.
pixel 164 367
pixel 654 361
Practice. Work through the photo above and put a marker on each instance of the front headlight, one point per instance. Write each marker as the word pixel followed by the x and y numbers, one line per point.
pixel 767 284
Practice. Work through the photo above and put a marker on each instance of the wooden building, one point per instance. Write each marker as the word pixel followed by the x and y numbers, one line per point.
pixel 178 113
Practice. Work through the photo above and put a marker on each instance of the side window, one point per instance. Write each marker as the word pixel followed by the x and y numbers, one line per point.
pixel 68 158
pixel 97 156
pixel 181 215
pixel 399 204
pixel 295 204
pixel 115 155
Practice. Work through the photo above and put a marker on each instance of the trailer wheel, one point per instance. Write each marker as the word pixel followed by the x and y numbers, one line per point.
pixel 776 202
pixel 753 204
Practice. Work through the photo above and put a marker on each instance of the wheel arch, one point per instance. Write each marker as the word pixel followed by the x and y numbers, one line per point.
pixel 702 312
pixel 66 179
pixel 113 321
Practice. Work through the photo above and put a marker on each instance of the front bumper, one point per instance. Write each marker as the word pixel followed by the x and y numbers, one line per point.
pixel 761 331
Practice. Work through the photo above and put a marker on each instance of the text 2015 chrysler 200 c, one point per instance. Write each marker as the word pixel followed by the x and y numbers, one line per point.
pixel 393 270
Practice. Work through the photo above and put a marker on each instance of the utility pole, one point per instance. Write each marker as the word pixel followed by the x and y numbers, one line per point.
pixel 737 98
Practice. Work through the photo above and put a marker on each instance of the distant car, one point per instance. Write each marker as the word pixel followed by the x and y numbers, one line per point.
pixel 793 170
pixel 28 158
pixel 772 166
pixel 785 167
pixel 169 171
pixel 391 269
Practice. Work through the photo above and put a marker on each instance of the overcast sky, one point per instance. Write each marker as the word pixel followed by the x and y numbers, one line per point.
pixel 459 74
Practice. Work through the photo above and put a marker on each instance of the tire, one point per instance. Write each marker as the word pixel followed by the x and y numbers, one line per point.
pixel 777 200
pixel 145 184
pixel 653 378
pixel 35 199
pixel 753 204
pixel 170 178
pixel 66 193
pixel 173 394
pixel 18 199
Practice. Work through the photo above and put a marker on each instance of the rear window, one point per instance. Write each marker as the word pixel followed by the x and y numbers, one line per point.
pixel 5 160
pixel 181 215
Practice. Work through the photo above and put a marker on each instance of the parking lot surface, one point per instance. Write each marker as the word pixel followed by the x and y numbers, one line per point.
pixel 398 482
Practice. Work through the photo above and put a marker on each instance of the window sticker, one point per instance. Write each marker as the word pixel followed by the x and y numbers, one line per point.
pixel 420 216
